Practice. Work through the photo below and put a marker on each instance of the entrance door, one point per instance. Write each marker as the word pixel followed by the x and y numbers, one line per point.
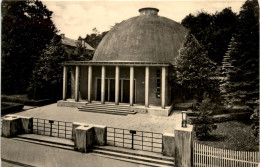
pixel 99 90
pixel 126 91
pixel 125 94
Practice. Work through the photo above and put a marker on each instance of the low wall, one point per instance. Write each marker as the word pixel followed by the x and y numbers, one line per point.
pixel 62 103
pixel 13 125
pixel 153 111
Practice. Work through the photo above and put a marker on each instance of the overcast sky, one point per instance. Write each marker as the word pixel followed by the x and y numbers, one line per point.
pixel 78 18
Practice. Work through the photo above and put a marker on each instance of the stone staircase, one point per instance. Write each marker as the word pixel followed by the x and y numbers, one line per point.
pixel 107 108
pixel 46 141
pixel 135 156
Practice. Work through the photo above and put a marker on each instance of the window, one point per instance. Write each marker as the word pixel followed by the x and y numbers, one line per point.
pixel 158 83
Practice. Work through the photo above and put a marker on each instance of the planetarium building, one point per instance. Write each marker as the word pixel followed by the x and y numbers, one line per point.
pixel 130 67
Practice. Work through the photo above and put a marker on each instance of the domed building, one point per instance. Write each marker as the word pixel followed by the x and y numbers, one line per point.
pixel 130 66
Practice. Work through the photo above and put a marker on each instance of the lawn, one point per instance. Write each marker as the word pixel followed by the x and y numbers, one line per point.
pixel 233 135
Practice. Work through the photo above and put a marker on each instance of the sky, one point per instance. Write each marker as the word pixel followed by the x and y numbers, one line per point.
pixel 78 18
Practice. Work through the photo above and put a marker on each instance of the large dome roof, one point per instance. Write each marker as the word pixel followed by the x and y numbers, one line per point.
pixel 148 38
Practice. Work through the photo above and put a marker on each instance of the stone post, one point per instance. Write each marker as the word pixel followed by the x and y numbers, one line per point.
pixel 98 135
pixel 169 145
pixel 13 125
pixel 84 138
pixel 26 124
pixel 184 146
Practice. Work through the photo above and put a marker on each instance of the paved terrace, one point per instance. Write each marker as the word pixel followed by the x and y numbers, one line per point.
pixel 142 122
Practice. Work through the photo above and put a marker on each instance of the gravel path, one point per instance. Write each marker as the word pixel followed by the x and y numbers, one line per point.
pixel 143 122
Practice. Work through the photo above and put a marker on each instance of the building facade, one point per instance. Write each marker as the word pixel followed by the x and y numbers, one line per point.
pixel 130 66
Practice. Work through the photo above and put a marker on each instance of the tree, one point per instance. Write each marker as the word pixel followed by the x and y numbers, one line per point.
pixel 242 84
pixel 195 70
pixel 95 38
pixel 213 31
pixel 204 123
pixel 26 30
pixel 80 53
pixel 47 75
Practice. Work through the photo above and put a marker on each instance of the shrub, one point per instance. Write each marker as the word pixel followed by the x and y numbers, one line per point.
pixel 204 123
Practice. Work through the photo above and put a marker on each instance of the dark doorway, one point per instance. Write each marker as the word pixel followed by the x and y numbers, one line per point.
pixel 125 94
pixel 112 90
pixel 99 90
pixel 126 91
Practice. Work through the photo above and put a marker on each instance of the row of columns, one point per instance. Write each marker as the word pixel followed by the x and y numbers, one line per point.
pixel 117 74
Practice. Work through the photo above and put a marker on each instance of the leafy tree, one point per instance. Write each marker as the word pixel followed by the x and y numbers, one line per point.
pixel 80 53
pixel 195 70
pixel 26 30
pixel 95 38
pixel 213 31
pixel 204 123
pixel 48 73
pixel 242 84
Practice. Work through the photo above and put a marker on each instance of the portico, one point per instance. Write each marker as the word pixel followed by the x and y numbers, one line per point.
pixel 130 68
pixel 108 77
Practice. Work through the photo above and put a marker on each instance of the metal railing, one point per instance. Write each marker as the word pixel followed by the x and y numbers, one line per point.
pixel 139 140
pixel 53 128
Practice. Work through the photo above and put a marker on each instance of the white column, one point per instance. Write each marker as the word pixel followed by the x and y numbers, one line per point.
pixel 103 84
pixel 89 83
pixel 117 74
pixel 108 90
pixel 131 86
pixel 163 87
pixel 147 86
pixel 77 84
pixel 64 91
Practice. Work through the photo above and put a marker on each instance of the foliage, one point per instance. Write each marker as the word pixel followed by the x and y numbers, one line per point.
pixel 80 53
pixel 203 123
pixel 213 31
pixel 95 38
pixel 195 70
pixel 241 84
pixel 255 121
pixel 47 75
pixel 26 30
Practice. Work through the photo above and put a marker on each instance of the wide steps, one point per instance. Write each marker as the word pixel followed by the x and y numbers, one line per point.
pixel 139 157
pixel 108 108
pixel 44 142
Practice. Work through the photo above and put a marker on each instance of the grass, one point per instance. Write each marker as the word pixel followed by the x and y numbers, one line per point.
pixel 233 135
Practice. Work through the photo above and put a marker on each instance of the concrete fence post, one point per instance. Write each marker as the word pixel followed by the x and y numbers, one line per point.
pixel 184 146
pixel 86 135
pixel 168 147
pixel 13 125
pixel 84 138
